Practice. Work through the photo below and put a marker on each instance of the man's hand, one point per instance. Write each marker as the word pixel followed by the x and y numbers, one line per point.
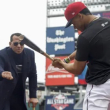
pixel 34 102
pixel 57 62
pixel 7 75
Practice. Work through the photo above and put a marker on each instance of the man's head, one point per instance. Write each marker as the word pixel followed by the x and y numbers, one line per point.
pixel 77 14
pixel 15 43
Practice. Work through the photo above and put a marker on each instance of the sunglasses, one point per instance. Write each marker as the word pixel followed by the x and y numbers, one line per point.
pixel 16 43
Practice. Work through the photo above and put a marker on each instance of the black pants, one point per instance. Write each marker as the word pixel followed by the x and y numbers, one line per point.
pixel 17 103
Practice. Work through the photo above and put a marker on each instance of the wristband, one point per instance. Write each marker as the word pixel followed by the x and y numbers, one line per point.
pixel 67 60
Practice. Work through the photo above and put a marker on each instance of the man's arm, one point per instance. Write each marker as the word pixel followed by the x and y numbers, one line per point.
pixel 76 68
pixel 81 57
pixel 1 67
pixel 33 78
pixel 70 57
pixel 3 73
pixel 33 83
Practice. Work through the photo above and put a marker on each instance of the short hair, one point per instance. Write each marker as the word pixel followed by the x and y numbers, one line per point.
pixel 16 34
pixel 85 11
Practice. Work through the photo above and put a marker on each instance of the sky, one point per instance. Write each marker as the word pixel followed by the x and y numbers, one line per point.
pixel 29 18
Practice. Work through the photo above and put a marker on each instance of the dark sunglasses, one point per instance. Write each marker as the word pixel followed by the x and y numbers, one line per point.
pixel 16 43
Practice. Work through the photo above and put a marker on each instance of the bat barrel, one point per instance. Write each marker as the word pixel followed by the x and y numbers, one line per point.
pixel 33 108
pixel 33 46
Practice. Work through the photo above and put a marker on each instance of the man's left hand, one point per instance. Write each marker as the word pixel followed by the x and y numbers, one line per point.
pixel 33 101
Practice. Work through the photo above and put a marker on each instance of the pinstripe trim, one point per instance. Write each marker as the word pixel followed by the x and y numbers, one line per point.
pixel 89 95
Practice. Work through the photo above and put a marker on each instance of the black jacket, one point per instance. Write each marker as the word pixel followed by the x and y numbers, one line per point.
pixel 29 70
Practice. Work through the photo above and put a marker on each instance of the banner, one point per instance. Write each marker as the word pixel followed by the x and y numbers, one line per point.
pixel 60 102
pixel 56 76
pixel 81 78
pixel 60 40
pixel 102 14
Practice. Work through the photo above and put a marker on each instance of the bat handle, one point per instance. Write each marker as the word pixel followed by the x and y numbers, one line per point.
pixel 51 58
pixel 33 108
pixel 48 56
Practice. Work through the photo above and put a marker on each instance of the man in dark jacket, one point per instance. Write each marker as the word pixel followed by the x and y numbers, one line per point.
pixel 16 64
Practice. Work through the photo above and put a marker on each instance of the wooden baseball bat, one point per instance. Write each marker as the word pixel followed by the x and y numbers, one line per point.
pixel 30 44
pixel 33 108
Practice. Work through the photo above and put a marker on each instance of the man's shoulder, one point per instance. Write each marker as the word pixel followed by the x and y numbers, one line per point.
pixel 2 51
pixel 27 50
pixel 95 27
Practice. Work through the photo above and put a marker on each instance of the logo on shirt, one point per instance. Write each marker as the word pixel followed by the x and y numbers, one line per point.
pixel 104 24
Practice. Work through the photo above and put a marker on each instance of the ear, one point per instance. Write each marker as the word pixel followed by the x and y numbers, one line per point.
pixel 80 15
pixel 9 44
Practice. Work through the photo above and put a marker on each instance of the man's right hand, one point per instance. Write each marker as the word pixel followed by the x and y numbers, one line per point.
pixel 57 63
pixel 7 75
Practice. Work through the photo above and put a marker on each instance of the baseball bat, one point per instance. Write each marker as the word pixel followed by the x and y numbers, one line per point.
pixel 30 44
pixel 33 108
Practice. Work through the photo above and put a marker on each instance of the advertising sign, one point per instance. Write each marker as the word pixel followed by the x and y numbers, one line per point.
pixel 60 102
pixel 102 14
pixel 81 78
pixel 98 14
pixel 56 76
pixel 60 40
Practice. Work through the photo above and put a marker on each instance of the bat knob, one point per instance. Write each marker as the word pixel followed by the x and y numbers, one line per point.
pixel 21 37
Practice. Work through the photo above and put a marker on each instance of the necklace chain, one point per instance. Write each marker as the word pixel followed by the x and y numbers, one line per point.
pixel 95 18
